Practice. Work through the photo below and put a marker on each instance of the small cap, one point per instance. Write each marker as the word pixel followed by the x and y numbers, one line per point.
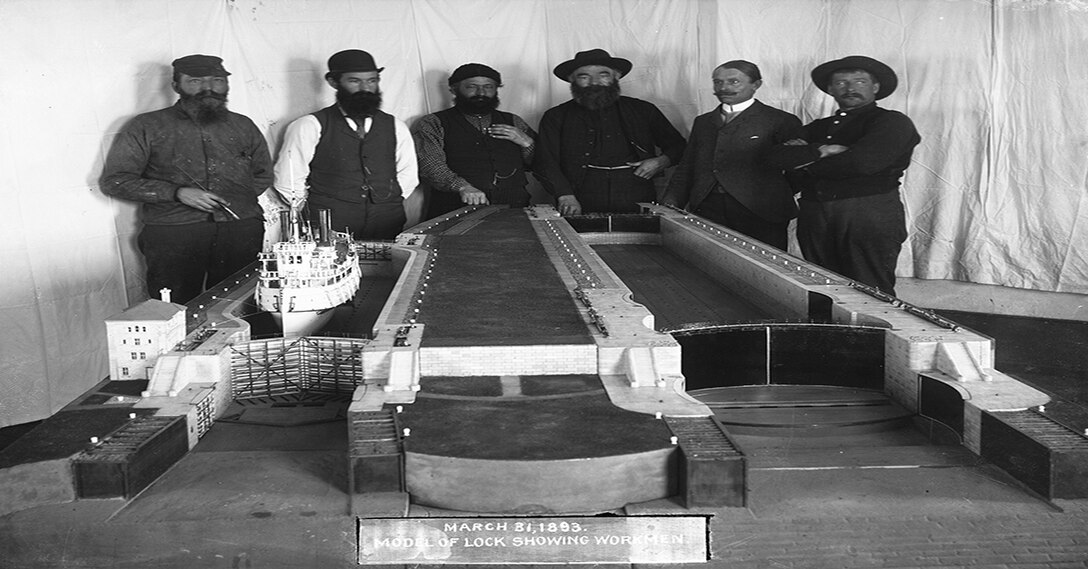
pixel 351 60
pixel 198 65
pixel 469 70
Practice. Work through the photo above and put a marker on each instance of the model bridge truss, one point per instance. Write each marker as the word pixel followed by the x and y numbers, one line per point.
pixel 278 366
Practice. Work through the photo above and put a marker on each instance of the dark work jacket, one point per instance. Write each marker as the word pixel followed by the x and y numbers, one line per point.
pixel 731 155
pixel 565 146
pixel 353 169
pixel 493 166
pixel 158 152
pixel 880 142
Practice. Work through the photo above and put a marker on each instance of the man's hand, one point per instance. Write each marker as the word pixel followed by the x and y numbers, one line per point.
pixel 471 196
pixel 832 149
pixel 568 205
pixel 197 198
pixel 511 133
pixel 650 167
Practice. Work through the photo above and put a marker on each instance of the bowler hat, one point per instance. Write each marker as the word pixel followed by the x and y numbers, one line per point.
pixel 592 57
pixel 351 60
pixel 198 65
pixel 881 73
pixel 470 70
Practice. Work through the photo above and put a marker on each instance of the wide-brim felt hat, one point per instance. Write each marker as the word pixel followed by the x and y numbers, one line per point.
pixel 591 57
pixel 821 76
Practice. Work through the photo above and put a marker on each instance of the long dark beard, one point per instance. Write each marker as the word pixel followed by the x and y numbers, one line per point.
pixel 475 105
pixel 206 107
pixel 596 97
pixel 359 103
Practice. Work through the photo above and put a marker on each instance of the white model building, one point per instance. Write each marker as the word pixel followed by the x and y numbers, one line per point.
pixel 137 336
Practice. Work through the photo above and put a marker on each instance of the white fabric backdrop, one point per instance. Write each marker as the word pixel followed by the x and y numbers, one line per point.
pixel 996 193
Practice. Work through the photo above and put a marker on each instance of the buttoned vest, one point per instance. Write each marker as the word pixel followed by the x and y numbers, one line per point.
pixel 353 169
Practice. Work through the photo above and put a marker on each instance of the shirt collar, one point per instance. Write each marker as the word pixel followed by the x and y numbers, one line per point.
pixel 737 107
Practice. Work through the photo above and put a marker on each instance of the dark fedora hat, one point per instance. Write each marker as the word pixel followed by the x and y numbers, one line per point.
pixel 881 73
pixel 351 60
pixel 592 57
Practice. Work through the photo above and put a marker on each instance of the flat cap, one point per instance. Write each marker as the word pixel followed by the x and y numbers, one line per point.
pixel 470 70
pixel 198 65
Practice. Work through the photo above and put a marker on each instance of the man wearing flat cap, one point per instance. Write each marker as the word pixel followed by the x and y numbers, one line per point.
pixel 851 218
pixel 350 158
pixel 600 151
pixel 472 153
pixel 197 169
pixel 723 175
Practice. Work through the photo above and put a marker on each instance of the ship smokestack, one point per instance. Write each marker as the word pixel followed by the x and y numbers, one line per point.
pixel 324 219
pixel 287 219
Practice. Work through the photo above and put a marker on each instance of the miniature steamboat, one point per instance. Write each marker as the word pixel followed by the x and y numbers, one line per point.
pixel 302 279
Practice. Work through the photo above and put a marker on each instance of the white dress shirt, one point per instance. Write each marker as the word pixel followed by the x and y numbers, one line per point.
pixel 300 141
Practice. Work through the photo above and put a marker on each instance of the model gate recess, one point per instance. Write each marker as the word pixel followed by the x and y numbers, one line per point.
pixel 278 366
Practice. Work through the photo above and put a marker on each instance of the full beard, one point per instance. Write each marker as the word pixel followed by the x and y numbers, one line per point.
pixel 475 105
pixel 596 97
pixel 206 107
pixel 359 103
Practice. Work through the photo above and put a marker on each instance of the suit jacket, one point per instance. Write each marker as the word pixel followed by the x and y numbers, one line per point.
pixel 731 155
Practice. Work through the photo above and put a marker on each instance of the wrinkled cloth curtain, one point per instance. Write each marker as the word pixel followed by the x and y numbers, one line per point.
pixel 996 193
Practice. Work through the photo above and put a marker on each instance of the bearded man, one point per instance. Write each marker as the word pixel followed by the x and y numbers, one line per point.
pixel 350 158
pixel 600 151
pixel 197 169
pixel 471 153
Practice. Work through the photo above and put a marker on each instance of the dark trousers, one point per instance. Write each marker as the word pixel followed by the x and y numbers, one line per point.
pixel 614 191
pixel 191 257
pixel 363 220
pixel 859 238
pixel 725 209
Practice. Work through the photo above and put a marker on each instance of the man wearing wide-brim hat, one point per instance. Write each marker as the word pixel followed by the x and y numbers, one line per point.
pixel 600 151
pixel 350 158
pixel 849 165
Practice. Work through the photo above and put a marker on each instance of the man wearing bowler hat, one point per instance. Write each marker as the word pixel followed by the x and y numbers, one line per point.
pixel 851 218
pixel 472 153
pixel 197 169
pixel 600 151
pixel 350 158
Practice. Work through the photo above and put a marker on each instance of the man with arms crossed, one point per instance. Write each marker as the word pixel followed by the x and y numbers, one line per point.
pixel 851 218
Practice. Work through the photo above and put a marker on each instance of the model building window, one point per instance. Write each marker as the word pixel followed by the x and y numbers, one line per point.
pixel 136 341
pixel 143 356
pixel 133 355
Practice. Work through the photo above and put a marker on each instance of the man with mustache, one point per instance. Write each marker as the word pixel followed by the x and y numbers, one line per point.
pixel 197 169
pixel 723 176
pixel 473 154
pixel 851 218
pixel 599 152
pixel 350 158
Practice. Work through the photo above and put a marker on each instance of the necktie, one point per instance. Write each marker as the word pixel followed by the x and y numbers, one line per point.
pixel 360 125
